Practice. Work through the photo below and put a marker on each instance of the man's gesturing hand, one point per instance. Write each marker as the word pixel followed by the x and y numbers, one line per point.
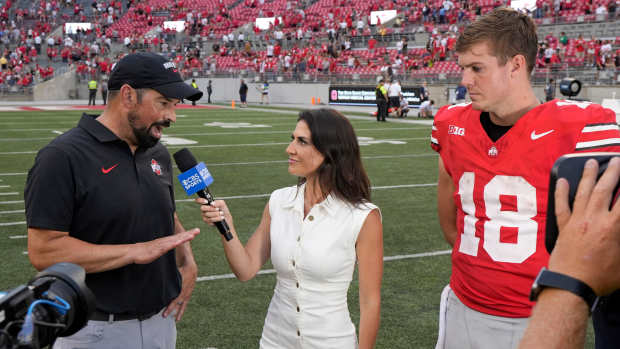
pixel 146 252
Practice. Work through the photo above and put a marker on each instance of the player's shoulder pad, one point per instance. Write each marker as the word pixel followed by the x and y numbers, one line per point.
pixel 569 111
pixel 451 112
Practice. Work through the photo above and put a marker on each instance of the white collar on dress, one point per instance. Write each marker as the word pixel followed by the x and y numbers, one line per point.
pixel 330 205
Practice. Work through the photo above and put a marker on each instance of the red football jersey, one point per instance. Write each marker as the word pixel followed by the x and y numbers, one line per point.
pixel 501 194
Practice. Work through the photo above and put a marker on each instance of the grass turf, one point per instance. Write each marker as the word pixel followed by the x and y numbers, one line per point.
pixel 251 161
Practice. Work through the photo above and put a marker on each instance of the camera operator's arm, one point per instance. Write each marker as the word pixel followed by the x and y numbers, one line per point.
pixel 587 249
pixel 188 270
pixel 47 247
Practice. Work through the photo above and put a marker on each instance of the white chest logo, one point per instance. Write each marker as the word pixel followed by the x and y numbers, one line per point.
pixel 455 130
pixel 535 136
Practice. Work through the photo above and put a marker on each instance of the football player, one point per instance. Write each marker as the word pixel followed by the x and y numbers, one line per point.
pixel 496 154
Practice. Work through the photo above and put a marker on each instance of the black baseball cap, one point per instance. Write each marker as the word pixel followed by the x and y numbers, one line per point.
pixel 150 70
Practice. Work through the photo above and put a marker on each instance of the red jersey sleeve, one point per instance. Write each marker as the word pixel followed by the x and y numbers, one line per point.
pixel 600 132
pixel 440 125
pixel 445 124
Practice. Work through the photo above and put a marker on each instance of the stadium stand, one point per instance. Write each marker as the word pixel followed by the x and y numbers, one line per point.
pixel 309 40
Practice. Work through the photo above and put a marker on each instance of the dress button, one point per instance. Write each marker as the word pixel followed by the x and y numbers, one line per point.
pixel 310 218
pixel 298 309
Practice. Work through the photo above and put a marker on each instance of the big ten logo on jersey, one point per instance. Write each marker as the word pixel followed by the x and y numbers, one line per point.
pixel 455 130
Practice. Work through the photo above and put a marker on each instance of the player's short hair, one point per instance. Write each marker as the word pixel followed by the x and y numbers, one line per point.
pixel 508 33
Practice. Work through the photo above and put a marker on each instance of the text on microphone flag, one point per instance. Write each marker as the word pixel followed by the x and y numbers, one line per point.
pixel 195 179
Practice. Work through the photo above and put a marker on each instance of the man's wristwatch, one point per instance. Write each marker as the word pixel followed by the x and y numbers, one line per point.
pixel 548 278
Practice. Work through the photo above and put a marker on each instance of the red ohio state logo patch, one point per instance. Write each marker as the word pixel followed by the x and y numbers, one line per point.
pixel 155 166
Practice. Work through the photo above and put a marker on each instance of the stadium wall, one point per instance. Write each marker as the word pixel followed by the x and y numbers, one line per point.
pixel 62 87
pixel 225 90
pixel 65 87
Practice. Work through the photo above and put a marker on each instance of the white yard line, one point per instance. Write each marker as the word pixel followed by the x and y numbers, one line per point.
pixel 26 129
pixel 387 259
pixel 12 223
pixel 13 211
pixel 253 196
pixel 274 143
pixel 229 145
pixel 25 139
pixel 274 161
pixel 19 152
pixel 37 122
pixel 286 161
pixel 281 132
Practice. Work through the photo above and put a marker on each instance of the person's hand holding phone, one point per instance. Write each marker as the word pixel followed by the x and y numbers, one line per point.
pixel 588 245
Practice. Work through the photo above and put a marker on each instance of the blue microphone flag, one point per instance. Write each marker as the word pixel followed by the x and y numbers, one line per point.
pixel 195 179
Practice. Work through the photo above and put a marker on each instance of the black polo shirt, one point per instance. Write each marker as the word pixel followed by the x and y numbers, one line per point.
pixel 87 182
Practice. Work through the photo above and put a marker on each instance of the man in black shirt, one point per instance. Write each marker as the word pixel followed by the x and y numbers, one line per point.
pixel 209 91
pixel 101 196
pixel 243 93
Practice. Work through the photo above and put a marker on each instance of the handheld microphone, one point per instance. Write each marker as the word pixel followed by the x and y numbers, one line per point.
pixel 195 178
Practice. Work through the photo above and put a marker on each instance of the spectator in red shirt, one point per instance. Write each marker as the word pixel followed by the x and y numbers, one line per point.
pixel 65 53
pixel 371 43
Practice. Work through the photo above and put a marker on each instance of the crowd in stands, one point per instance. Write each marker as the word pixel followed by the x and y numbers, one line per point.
pixel 557 52
pixel 30 46
pixel 307 38
pixel 572 9
pixel 335 56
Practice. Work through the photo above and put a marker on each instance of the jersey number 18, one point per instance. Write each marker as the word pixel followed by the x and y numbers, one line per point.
pixel 522 218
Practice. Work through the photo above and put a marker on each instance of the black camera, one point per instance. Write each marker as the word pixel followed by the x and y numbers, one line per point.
pixel 570 87
pixel 571 167
pixel 55 303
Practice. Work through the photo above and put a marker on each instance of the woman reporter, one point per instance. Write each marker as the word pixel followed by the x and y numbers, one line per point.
pixel 314 233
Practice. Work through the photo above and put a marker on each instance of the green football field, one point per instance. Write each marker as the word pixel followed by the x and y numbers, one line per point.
pixel 244 151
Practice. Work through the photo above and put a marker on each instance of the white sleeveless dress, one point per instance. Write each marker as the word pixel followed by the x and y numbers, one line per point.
pixel 314 259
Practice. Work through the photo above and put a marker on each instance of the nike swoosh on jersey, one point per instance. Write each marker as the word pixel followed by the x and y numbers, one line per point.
pixel 107 170
pixel 535 136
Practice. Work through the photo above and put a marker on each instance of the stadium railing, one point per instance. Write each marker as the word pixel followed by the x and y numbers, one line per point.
pixel 589 76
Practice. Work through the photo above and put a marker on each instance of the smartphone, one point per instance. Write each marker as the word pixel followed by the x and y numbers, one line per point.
pixel 571 167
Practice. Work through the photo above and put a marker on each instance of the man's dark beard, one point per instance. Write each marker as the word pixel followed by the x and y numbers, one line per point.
pixel 143 134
